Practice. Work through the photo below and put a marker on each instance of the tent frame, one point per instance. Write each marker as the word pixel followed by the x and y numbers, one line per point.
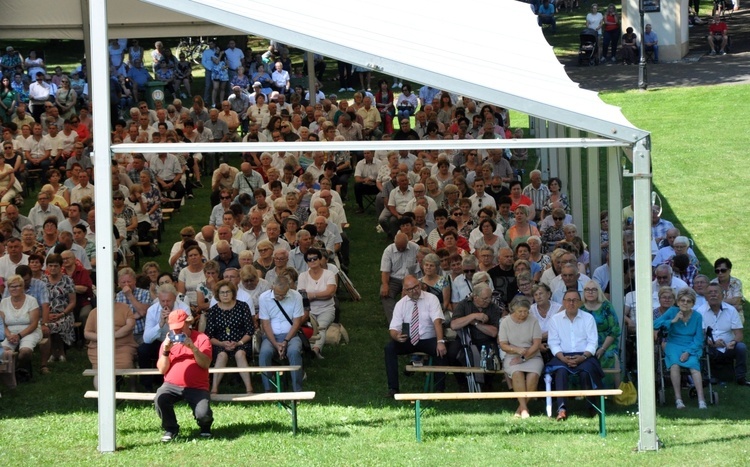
pixel 628 138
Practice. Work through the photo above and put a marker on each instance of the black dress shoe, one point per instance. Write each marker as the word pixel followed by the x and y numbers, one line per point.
pixel 391 393
pixel 743 382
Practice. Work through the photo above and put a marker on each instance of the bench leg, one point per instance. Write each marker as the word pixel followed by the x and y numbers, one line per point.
pixel 294 417
pixel 418 420
pixel 602 419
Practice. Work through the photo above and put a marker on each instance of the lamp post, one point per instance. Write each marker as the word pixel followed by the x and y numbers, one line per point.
pixel 642 77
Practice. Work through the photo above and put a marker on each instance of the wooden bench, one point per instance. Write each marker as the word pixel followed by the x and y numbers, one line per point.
pixel 288 400
pixel 417 398
pixel 291 397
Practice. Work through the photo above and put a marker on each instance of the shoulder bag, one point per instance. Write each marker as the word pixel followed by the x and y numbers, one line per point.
pixel 306 347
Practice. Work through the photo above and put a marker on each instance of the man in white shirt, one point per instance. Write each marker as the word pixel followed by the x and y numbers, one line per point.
pixel 12 258
pixel 280 329
pixel 234 58
pixel 664 278
pixel 416 326
pixel 83 189
pixel 725 338
pixel 280 78
pixel 573 340
pixel 157 327
pixel 396 206
pixel 365 177
pixel 42 210
pixel 480 199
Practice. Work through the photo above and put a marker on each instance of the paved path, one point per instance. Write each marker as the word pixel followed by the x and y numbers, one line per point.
pixel 696 69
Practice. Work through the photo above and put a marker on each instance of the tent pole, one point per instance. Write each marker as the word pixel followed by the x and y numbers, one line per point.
pixel 614 186
pixel 594 198
pixel 99 78
pixel 311 79
pixel 575 195
pixel 541 132
pixel 648 441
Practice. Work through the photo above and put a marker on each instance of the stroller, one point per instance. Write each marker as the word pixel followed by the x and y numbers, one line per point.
pixel 588 51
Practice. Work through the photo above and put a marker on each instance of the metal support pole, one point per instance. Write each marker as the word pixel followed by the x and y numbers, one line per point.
pixel 562 162
pixel 614 206
pixel 311 79
pixel 554 162
pixel 593 200
pixel 642 76
pixel 575 187
pixel 648 440
pixel 99 79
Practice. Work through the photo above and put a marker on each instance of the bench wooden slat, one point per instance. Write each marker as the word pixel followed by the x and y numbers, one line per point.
pixel 154 371
pixel 450 369
pixel 262 397
pixel 504 395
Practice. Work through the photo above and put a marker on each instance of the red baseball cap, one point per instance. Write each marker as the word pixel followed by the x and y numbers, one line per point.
pixel 177 319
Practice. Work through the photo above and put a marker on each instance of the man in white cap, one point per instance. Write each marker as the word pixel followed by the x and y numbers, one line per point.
pixel 184 359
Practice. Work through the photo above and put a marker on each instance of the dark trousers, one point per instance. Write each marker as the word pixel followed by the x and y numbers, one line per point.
pixel 198 400
pixel 738 354
pixel 586 371
pixel 395 348
pixel 148 354
pixel 345 74
pixel 361 189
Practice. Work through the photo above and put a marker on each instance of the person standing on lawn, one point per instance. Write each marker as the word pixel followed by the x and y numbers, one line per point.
pixel 184 359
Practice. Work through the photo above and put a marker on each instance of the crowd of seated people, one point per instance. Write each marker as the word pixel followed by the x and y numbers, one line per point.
pixel 456 219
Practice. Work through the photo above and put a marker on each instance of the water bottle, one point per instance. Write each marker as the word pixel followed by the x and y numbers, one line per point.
pixel 483 357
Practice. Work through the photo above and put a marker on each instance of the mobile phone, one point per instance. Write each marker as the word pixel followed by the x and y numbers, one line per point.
pixel 405 329
pixel 177 338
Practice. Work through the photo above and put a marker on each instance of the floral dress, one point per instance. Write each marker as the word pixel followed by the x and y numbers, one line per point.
pixel 153 198
pixel 607 325
pixel 437 289
pixel 59 293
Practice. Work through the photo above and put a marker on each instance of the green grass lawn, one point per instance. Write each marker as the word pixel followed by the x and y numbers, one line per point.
pixel 698 144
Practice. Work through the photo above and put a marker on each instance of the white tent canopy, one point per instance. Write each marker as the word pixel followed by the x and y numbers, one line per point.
pixel 65 19
pixel 498 55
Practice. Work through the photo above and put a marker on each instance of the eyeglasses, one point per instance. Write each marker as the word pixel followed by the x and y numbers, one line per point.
pixel 225 292
pixel 590 290
pixel 415 288
pixel 662 277
pixel 720 270
pixel 570 300
pixel 310 260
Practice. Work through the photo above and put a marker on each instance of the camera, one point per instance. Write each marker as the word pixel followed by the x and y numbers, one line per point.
pixel 177 338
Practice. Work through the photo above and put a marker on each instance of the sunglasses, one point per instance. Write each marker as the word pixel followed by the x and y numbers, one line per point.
pixel 469 271
pixel 720 270
pixel 558 218
pixel 118 198
pixel 226 197
pixel 310 260
pixel 187 236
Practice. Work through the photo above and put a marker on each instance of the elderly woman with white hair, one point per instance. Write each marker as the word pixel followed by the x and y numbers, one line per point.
pixel 607 327
pixel 684 347
pixel 435 283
